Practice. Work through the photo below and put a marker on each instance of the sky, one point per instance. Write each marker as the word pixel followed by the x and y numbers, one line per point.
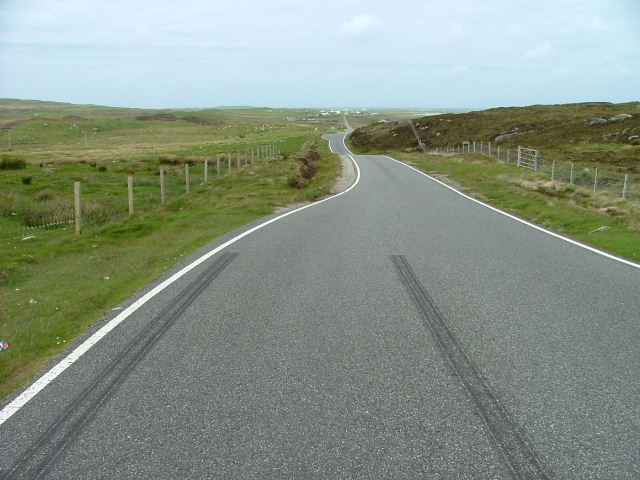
pixel 321 54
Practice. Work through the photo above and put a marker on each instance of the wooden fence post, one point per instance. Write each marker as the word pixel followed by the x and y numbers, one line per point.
pixel 163 192
pixel 186 178
pixel 625 187
pixel 572 175
pixel 206 170
pixel 130 192
pixel 78 206
pixel 218 166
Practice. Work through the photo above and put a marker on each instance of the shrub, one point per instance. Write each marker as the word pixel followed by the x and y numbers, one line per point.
pixel 170 160
pixel 27 180
pixel 309 164
pixel 9 163
pixel 102 168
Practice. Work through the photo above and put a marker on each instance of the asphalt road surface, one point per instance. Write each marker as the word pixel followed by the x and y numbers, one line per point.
pixel 398 330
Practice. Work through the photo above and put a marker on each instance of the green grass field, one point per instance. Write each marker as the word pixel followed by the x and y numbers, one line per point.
pixel 54 284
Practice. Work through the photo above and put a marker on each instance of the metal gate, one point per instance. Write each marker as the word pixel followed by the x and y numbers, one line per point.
pixel 529 158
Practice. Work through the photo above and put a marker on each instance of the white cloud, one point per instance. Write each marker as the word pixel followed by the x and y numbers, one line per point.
pixel 598 24
pixel 456 29
pixel 543 50
pixel 459 69
pixel 361 26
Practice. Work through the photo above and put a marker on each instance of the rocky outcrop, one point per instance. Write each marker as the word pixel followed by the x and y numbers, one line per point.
pixel 505 136
pixel 620 117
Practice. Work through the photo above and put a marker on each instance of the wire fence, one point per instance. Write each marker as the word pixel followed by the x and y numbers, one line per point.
pixel 596 179
pixel 96 202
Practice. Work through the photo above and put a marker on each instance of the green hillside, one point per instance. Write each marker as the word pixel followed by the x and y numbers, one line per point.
pixel 584 133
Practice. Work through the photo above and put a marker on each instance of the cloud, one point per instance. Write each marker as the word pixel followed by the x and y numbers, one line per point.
pixel 598 24
pixel 459 69
pixel 543 50
pixel 361 27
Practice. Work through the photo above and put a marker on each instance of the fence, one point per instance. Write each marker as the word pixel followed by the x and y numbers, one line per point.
pixel 140 192
pixel 626 186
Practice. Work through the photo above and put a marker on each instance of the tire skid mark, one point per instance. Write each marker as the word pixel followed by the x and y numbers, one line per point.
pixel 522 461
pixel 42 454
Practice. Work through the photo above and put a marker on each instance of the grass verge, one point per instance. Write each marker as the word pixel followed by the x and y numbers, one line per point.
pixel 55 285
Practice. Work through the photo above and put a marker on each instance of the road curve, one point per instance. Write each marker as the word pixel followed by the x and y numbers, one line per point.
pixel 397 330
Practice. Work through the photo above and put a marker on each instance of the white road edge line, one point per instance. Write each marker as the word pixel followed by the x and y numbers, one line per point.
pixel 513 217
pixel 70 359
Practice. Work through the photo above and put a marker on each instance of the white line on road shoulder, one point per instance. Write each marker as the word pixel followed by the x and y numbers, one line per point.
pixel 513 217
pixel 66 362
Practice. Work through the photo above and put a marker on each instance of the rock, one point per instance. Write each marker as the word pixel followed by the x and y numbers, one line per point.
pixel 619 117
pixel 595 121
pixel 505 136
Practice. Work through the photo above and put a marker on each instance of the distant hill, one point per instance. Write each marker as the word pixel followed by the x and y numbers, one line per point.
pixel 580 132
pixel 14 112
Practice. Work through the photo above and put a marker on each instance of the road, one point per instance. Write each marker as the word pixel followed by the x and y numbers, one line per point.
pixel 398 330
